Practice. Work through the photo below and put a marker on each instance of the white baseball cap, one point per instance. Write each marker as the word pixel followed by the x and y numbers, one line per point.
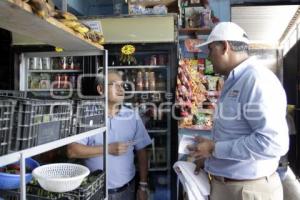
pixel 226 31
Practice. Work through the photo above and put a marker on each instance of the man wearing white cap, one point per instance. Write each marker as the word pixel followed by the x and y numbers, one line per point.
pixel 250 132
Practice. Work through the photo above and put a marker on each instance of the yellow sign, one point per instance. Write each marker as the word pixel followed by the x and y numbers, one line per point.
pixel 128 49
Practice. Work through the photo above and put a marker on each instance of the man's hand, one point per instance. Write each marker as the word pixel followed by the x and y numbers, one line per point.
pixel 141 194
pixel 203 148
pixel 199 165
pixel 118 148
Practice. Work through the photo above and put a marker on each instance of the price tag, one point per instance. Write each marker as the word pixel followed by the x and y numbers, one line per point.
pixel 94 25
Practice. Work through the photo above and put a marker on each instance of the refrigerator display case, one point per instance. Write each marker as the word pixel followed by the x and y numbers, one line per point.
pixel 61 75
pixel 41 113
pixel 149 76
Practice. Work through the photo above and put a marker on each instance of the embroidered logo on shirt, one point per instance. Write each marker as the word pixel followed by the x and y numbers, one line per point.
pixel 233 93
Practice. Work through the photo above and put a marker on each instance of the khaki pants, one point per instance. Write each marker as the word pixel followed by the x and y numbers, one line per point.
pixel 268 188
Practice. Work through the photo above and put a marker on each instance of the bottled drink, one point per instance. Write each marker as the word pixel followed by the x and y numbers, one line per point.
pixel 160 82
pixel 152 81
pixel 139 81
pixel 146 81
pixel 127 82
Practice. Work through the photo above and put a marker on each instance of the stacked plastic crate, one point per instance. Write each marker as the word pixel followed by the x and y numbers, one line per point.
pixel 7 109
pixel 88 115
pixel 40 121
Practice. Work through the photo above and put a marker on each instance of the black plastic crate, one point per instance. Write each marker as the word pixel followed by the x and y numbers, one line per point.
pixel 7 109
pixel 13 93
pixel 93 189
pixel 88 115
pixel 40 121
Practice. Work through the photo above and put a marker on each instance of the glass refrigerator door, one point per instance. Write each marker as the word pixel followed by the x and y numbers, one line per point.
pixel 147 77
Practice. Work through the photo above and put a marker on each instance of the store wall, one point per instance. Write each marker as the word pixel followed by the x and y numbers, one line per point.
pixel 75 6
pixel 221 9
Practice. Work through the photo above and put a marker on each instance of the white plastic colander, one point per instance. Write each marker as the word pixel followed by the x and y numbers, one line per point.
pixel 60 177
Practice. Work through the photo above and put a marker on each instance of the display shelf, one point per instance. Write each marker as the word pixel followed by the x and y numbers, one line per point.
pixel 208 111
pixel 213 93
pixel 48 30
pixel 144 92
pixel 54 71
pixel 204 31
pixel 14 157
pixel 139 67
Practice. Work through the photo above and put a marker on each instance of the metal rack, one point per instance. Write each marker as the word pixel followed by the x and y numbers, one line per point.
pixel 52 32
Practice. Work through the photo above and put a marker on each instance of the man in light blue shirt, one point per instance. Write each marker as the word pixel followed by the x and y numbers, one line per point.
pixel 250 132
pixel 125 133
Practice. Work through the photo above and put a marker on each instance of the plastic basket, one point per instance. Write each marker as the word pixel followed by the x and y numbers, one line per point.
pixel 13 93
pixel 12 181
pixel 40 121
pixel 61 177
pixel 91 189
pixel 88 115
pixel 7 108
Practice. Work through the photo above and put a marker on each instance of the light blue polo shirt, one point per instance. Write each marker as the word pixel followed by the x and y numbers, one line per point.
pixel 250 128
pixel 125 126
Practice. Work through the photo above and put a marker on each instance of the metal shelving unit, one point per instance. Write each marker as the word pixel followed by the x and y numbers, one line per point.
pixel 49 31
pixel 16 156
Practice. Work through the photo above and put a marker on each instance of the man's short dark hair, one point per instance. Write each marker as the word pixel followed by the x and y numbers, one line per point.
pixel 239 46
pixel 99 80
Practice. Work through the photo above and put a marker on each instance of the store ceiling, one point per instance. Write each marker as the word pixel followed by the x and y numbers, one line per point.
pixel 264 24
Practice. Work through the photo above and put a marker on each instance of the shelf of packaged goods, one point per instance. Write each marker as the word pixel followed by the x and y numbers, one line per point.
pixel 204 31
pixel 207 111
pixel 145 92
pixel 54 71
pixel 213 93
pixel 50 31
pixel 14 157
pixel 139 67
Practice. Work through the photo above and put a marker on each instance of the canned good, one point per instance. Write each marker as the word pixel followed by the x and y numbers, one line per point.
pixel 35 63
pixel 139 81
pixel 46 63
pixel 63 63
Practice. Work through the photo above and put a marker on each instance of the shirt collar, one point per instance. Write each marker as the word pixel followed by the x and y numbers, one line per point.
pixel 124 111
pixel 238 70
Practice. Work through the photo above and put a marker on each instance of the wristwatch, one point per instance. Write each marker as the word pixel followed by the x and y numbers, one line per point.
pixel 143 186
